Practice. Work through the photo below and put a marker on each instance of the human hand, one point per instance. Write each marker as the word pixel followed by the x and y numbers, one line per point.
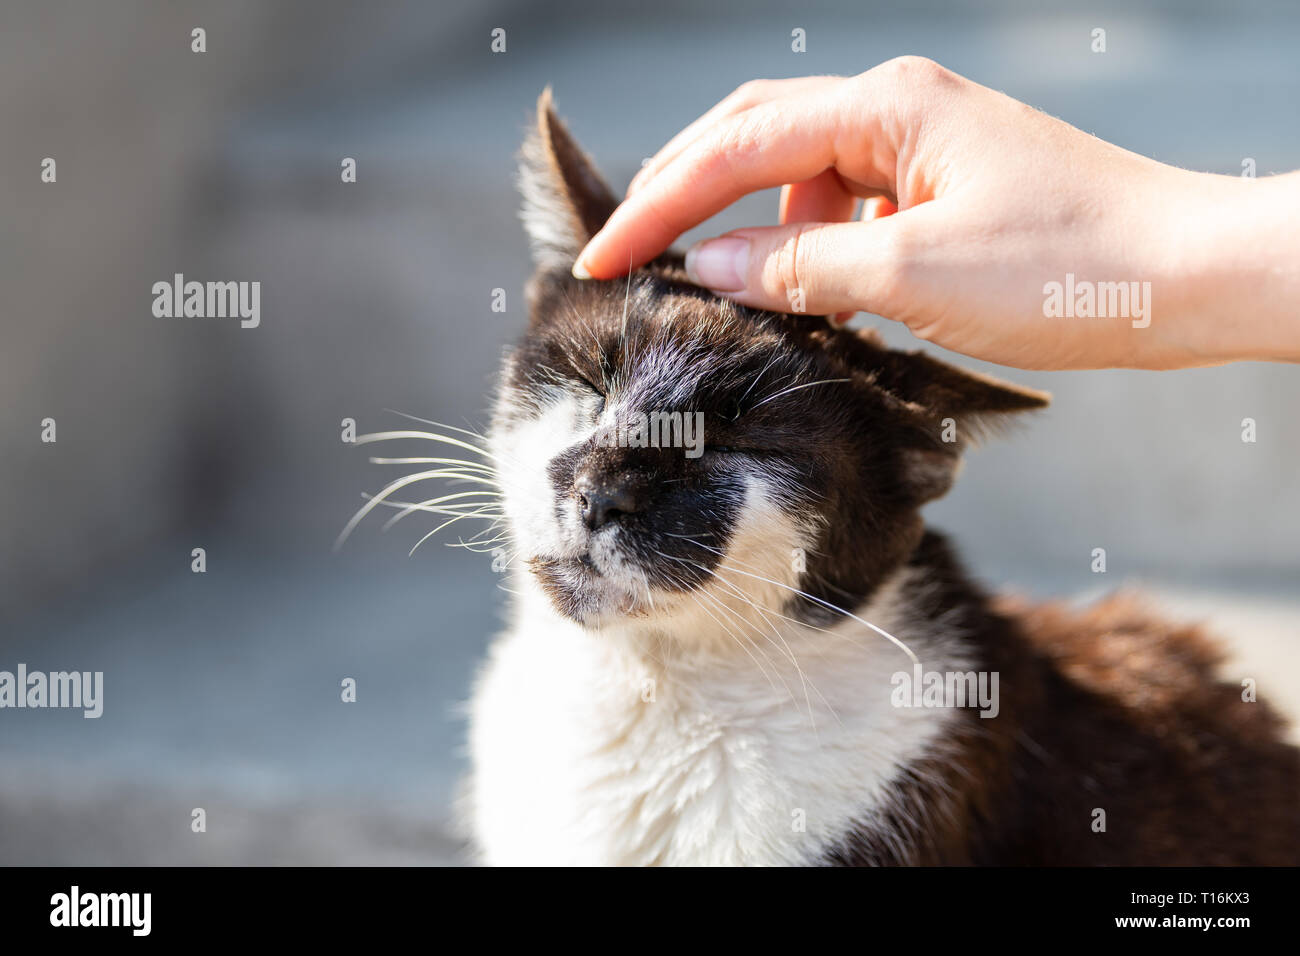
pixel 974 205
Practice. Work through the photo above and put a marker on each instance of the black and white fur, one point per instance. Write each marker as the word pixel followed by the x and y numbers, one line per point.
pixel 705 676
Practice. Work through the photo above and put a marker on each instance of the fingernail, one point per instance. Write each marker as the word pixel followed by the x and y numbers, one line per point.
pixel 719 264
pixel 580 270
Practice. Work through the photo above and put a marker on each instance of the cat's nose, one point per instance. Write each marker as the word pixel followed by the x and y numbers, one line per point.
pixel 603 498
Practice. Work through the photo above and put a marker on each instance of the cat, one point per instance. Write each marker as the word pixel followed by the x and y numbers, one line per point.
pixel 726 658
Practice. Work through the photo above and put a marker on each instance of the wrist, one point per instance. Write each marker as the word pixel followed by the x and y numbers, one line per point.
pixel 1228 279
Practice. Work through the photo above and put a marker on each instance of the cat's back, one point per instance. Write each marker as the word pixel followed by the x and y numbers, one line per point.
pixel 1139 749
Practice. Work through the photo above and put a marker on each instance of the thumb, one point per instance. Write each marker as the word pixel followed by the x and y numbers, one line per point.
pixel 819 268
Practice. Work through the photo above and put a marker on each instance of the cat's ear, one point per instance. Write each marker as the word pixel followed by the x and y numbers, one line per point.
pixel 981 403
pixel 565 200
pixel 948 408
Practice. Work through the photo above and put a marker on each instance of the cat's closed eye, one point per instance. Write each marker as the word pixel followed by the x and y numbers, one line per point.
pixel 753 451
pixel 591 387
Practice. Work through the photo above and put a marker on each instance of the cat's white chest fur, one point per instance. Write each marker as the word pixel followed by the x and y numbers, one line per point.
pixel 587 751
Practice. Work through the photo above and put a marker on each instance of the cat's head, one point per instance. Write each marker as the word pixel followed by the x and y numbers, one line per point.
pixel 797 456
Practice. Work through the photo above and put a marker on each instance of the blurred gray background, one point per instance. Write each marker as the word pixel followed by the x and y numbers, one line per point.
pixel 222 689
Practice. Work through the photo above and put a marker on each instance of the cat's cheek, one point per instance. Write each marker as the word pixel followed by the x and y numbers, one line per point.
pixel 770 543
pixel 523 451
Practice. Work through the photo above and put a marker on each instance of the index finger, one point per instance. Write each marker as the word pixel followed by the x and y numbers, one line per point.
pixel 785 141
pixel 745 97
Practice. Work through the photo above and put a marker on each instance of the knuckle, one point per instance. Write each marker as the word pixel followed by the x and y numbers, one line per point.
pixel 734 144
pixel 914 68
pixel 709 160
pixel 750 92
pixel 790 267
pixel 911 76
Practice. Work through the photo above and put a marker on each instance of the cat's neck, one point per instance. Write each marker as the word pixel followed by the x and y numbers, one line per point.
pixel 724 738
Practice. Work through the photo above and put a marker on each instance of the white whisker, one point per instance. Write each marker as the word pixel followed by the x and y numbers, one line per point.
pixel 795 388
pixel 812 597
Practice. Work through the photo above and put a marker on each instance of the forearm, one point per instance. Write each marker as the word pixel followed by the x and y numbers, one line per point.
pixel 1231 281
